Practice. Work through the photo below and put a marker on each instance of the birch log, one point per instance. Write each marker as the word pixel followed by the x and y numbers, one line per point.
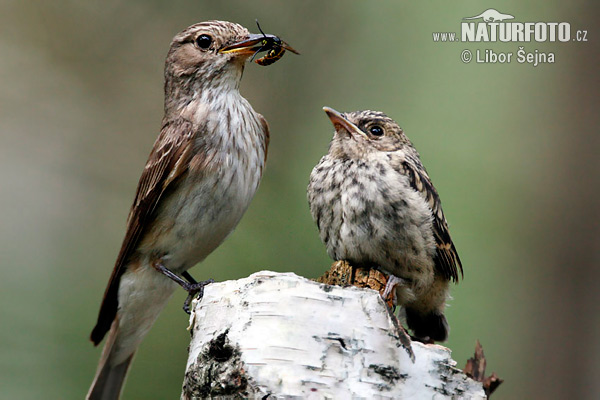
pixel 281 335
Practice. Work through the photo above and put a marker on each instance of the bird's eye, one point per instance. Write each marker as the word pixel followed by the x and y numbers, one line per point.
pixel 376 130
pixel 204 41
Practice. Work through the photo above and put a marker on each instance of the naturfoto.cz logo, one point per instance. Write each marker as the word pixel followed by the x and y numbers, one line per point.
pixel 494 26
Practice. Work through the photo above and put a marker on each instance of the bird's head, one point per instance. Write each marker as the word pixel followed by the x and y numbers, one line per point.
pixel 210 54
pixel 359 133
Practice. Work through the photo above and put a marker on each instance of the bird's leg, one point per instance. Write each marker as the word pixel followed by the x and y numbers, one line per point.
pixel 191 285
pixel 188 277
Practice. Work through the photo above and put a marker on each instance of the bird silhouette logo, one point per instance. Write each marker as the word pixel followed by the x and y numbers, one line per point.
pixel 491 15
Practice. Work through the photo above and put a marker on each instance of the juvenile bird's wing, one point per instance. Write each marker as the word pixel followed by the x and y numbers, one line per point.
pixel 447 261
pixel 168 160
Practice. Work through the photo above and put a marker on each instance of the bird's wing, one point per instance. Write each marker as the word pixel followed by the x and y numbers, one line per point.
pixel 447 261
pixel 168 160
pixel 266 130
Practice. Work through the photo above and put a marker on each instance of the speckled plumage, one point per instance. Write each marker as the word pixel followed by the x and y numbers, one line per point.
pixel 375 205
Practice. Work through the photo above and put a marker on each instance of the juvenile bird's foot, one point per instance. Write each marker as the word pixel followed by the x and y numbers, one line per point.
pixel 191 285
pixel 390 287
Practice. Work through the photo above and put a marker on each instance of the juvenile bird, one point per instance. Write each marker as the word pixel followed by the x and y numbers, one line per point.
pixel 375 206
pixel 198 181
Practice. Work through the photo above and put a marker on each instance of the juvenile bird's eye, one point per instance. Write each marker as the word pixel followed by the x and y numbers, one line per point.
pixel 376 130
pixel 204 41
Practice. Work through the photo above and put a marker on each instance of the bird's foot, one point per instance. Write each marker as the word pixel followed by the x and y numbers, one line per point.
pixel 390 287
pixel 191 285
pixel 193 288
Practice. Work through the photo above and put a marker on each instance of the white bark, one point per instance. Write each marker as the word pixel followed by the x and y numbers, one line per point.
pixel 284 335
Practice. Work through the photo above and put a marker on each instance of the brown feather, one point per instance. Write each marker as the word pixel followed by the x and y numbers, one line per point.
pixel 168 160
pixel 265 126
pixel 447 261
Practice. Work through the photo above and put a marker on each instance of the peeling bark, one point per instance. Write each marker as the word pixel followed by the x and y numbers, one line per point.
pixel 475 369
pixel 343 274
pixel 282 335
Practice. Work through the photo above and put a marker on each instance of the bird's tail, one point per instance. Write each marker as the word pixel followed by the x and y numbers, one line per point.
pixel 143 293
pixel 432 326
pixel 425 315
pixel 111 373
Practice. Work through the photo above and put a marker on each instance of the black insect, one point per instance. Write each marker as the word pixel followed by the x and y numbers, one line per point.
pixel 272 55
pixel 274 46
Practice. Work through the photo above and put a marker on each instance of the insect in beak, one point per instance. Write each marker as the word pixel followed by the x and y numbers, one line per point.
pixel 274 46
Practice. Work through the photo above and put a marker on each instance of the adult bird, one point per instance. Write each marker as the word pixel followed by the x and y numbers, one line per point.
pixel 375 206
pixel 198 181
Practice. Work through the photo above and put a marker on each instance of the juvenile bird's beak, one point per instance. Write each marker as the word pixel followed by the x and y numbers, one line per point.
pixel 340 122
pixel 249 46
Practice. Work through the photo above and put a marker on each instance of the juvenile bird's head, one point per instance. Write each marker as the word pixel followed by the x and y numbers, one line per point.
pixel 359 133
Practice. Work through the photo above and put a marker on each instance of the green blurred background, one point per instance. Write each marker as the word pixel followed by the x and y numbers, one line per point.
pixel 512 149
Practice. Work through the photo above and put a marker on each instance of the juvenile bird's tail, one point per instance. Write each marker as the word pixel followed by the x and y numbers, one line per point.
pixel 430 327
pixel 111 373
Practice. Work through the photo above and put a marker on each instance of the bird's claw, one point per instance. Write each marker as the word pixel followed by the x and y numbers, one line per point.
pixel 193 289
pixel 391 284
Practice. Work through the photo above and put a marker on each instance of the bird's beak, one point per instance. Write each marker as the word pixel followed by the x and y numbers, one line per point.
pixel 249 46
pixel 339 121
